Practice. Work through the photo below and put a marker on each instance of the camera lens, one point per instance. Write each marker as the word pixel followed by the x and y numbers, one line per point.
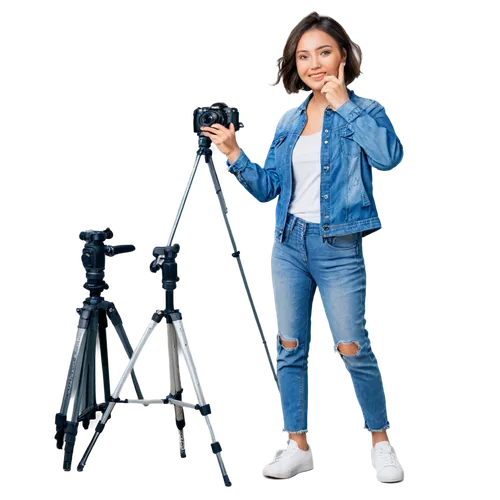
pixel 208 118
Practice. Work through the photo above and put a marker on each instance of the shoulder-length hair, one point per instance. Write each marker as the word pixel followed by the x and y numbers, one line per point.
pixel 287 67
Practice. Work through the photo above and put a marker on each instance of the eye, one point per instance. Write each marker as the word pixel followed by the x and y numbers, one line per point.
pixel 327 52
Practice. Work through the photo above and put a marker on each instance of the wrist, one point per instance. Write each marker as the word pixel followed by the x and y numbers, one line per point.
pixel 233 155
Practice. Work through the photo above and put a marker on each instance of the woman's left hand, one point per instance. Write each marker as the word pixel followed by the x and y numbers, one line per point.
pixel 335 90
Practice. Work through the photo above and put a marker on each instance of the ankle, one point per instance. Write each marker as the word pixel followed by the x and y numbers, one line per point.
pixel 377 437
pixel 300 439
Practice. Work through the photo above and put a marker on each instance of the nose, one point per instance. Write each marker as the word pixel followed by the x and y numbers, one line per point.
pixel 315 62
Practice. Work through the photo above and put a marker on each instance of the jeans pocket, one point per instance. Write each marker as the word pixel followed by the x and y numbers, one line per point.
pixel 343 242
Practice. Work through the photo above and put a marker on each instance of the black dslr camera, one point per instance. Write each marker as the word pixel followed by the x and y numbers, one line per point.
pixel 216 113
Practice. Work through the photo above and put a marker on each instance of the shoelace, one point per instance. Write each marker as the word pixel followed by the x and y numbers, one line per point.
pixel 387 457
pixel 278 455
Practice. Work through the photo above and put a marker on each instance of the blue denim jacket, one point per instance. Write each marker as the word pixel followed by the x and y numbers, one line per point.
pixel 355 138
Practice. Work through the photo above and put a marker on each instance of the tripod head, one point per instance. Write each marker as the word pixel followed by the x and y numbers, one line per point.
pixel 204 143
pixel 93 258
pixel 165 259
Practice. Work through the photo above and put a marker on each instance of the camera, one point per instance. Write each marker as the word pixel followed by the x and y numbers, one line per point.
pixel 216 113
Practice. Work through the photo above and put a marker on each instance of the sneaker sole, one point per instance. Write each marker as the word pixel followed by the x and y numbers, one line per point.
pixel 288 478
pixel 284 476
pixel 397 481
pixel 390 483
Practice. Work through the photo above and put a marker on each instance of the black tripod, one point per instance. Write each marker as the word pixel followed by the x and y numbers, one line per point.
pixel 79 400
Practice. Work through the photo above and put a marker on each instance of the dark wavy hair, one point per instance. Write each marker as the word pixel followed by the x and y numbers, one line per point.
pixel 287 67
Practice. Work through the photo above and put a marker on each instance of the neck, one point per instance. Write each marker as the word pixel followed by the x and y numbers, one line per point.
pixel 318 100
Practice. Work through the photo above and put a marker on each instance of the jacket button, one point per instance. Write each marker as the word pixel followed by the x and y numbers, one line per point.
pixel 325 196
pixel 326 131
pixel 326 228
pixel 326 167
pixel 326 142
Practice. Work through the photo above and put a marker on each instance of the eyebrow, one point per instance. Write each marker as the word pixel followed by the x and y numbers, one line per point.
pixel 316 49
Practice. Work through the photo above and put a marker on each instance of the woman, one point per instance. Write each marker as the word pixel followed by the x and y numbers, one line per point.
pixel 320 164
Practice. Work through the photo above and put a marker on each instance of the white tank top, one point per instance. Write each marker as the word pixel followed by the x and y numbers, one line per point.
pixel 306 168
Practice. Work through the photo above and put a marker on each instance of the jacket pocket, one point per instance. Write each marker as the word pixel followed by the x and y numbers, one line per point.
pixel 357 193
pixel 349 147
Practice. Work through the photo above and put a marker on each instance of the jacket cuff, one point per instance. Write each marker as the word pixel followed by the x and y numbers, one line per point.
pixel 349 111
pixel 238 164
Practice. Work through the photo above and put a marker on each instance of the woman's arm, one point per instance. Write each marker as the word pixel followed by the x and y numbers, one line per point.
pixel 377 134
pixel 259 180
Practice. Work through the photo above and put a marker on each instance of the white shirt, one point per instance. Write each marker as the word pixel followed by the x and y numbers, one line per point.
pixel 306 168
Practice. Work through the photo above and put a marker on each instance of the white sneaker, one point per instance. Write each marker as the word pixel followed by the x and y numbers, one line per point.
pixel 289 462
pixel 386 463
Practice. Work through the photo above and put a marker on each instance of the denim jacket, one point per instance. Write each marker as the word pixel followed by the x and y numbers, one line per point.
pixel 355 138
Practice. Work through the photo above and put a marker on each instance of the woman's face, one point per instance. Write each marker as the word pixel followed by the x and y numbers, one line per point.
pixel 317 54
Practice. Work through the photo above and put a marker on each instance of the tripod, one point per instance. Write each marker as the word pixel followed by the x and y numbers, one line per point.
pixel 79 400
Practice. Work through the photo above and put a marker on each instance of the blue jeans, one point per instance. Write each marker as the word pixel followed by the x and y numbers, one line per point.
pixel 302 261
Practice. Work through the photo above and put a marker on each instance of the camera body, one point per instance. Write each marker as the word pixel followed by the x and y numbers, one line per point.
pixel 216 113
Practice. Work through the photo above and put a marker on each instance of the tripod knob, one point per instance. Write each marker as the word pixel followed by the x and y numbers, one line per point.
pixel 91 236
pixel 159 254
pixel 172 251
pixel 154 267
pixel 158 251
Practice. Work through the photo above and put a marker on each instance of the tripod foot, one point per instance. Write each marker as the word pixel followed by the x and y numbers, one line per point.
pixel 227 481
pixel 79 467
pixel 60 424
pixel 66 466
pixel 71 431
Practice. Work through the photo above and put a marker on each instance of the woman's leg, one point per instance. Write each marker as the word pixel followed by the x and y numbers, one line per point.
pixel 340 269
pixel 337 265
pixel 293 292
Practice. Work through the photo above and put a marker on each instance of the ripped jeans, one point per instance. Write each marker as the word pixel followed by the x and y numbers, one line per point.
pixel 302 261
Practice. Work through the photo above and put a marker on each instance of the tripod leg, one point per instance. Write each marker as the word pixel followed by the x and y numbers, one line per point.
pixel 117 323
pixel 61 416
pixel 75 396
pixel 205 409
pixel 103 347
pixel 91 378
pixel 86 399
pixel 91 360
pixel 100 426
pixel 175 385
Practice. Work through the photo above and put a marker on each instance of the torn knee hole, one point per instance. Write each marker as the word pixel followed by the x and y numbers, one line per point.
pixel 348 349
pixel 288 344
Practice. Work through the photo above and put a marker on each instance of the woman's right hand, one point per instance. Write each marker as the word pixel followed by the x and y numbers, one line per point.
pixel 224 138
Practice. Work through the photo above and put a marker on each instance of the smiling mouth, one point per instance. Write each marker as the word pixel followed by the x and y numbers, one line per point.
pixel 318 76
